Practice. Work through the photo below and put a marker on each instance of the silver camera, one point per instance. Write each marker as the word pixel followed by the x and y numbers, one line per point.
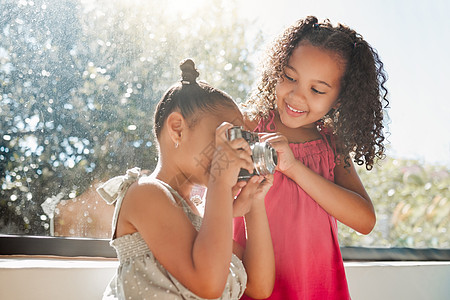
pixel 263 155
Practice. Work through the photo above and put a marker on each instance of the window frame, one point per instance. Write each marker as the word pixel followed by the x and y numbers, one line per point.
pixel 86 247
pixel 55 246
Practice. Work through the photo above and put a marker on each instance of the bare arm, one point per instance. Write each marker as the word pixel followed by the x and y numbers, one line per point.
pixel 258 256
pixel 199 260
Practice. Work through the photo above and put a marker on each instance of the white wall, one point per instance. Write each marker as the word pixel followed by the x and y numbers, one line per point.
pixel 399 280
pixel 46 279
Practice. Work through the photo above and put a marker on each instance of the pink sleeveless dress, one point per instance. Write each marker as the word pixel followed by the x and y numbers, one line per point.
pixel 308 260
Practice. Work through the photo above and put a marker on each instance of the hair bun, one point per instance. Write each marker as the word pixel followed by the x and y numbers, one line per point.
pixel 189 73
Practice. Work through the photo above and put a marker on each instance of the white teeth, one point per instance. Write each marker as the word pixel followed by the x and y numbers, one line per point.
pixel 293 109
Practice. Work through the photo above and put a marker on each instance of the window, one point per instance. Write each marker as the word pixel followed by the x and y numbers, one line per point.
pixel 79 81
pixel 411 200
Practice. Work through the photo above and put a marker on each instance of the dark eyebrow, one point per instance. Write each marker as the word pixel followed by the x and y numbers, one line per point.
pixel 323 82
pixel 318 81
pixel 292 68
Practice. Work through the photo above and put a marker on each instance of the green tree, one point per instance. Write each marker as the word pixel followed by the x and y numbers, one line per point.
pixel 412 202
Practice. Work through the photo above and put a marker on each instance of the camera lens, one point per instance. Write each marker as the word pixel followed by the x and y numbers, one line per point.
pixel 263 155
pixel 264 158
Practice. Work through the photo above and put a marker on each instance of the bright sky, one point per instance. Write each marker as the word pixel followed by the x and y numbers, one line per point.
pixel 412 39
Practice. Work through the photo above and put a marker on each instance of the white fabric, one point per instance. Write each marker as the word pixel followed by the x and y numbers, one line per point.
pixel 140 275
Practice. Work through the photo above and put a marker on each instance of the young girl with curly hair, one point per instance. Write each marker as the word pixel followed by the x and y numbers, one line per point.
pixel 320 104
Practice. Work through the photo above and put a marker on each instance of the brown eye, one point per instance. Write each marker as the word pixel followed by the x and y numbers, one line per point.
pixel 289 78
pixel 317 91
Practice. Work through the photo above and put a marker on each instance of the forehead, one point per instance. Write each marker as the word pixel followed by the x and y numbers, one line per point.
pixel 317 62
pixel 223 114
pixel 231 115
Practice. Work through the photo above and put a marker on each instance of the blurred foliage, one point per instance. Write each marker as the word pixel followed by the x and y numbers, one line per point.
pixel 79 81
pixel 412 203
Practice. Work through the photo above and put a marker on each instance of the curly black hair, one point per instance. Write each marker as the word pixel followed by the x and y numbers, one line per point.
pixel 358 121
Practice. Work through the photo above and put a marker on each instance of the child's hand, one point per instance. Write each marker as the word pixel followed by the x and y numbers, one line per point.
pixel 237 188
pixel 252 194
pixel 280 143
pixel 229 157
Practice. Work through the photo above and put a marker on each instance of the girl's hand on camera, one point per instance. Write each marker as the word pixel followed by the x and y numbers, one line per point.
pixel 238 187
pixel 229 157
pixel 280 143
pixel 252 194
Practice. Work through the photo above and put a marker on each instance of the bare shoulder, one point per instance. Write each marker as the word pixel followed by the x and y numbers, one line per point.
pixel 341 170
pixel 144 200
pixel 347 177
pixel 146 189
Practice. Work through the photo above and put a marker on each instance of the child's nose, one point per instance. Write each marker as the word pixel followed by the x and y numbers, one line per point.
pixel 298 94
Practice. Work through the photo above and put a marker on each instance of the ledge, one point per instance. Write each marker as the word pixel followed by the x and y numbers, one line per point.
pixel 40 262
pixel 43 278
pixel 31 262
pixel 83 247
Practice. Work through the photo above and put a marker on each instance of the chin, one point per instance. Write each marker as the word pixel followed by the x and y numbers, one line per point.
pixel 289 121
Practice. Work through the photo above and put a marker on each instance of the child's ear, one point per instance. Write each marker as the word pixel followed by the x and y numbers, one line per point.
pixel 175 125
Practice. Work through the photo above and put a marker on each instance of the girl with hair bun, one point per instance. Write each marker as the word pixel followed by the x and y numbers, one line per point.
pixel 320 98
pixel 166 250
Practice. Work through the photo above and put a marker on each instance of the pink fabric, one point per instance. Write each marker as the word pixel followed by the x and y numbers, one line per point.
pixel 307 255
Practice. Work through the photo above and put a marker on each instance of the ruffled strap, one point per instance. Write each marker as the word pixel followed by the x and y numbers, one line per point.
pixel 115 188
pixel 330 138
pixel 266 125
pixel 327 134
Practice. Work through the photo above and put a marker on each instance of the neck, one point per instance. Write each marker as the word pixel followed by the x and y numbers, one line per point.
pixel 171 175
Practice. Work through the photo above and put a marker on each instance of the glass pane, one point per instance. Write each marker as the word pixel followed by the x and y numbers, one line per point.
pixel 79 81
pixel 412 203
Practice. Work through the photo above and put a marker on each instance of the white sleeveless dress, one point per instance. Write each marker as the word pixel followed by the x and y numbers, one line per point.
pixel 140 275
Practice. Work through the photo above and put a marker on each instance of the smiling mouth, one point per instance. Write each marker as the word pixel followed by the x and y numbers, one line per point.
pixel 295 110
